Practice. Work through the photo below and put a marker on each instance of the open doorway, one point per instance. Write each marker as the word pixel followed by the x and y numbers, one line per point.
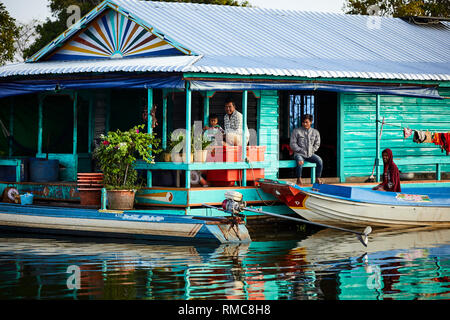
pixel 323 106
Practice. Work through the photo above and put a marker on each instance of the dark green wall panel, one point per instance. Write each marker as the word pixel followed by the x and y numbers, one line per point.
pixel 359 130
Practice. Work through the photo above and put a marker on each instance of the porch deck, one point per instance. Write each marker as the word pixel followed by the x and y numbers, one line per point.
pixel 172 200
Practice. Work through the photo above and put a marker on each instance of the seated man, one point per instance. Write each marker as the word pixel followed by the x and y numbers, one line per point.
pixel 305 141
pixel 233 125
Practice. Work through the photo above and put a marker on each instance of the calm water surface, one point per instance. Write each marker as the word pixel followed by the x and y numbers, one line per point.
pixel 324 264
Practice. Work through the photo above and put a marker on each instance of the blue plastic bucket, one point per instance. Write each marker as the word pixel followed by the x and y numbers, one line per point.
pixel 42 170
pixel 26 198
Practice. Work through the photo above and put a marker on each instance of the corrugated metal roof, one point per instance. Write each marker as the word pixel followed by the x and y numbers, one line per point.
pixel 255 41
pixel 150 64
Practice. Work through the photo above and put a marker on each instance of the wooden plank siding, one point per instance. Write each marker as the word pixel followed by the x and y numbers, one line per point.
pixel 268 130
pixel 359 130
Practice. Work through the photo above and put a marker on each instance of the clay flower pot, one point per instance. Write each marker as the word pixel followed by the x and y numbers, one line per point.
pixel 121 199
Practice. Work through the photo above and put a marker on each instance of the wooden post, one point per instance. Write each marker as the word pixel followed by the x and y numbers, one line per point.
pixel 75 134
pixel 244 135
pixel 149 127
pixel 40 122
pixel 340 137
pixel 108 110
pixel 205 109
pixel 378 142
pixel 187 148
pixel 75 122
pixel 11 126
pixel 91 122
pixel 164 124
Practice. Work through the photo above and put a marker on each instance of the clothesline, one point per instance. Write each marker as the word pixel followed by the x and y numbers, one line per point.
pixel 399 126
pixel 441 139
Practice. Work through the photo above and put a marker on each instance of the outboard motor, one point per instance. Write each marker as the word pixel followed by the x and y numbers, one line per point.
pixel 234 203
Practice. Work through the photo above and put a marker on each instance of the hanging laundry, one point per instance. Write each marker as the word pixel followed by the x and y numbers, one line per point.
pixel 445 137
pixel 407 132
pixel 443 140
pixel 436 139
pixel 419 136
pixel 428 137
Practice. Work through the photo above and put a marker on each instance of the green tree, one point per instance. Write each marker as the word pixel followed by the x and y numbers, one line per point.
pixel 400 8
pixel 51 29
pixel 9 32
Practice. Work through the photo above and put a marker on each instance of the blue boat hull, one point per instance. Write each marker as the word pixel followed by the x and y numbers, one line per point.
pixel 117 224
pixel 339 205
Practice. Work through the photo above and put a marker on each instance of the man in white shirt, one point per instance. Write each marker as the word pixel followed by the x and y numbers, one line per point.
pixel 233 125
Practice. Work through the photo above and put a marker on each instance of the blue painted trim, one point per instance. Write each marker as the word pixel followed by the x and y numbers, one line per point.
pixel 80 213
pixel 207 231
pixel 188 133
pixel 40 121
pixel 164 124
pixel 93 14
pixel 149 127
pixel 69 32
pixel 340 139
pixel 75 126
pixel 378 142
pixel 203 235
pixel 142 165
pixel 244 133
pixel 11 126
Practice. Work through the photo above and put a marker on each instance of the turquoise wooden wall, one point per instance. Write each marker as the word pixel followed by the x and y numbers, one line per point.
pixel 357 115
pixel 267 130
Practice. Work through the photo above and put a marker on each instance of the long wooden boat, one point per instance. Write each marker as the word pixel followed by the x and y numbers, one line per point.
pixel 421 205
pixel 135 224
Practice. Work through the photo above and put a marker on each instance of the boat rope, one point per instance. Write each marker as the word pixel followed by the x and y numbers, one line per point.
pixel 269 204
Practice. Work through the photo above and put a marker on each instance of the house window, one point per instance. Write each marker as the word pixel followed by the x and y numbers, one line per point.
pixel 300 104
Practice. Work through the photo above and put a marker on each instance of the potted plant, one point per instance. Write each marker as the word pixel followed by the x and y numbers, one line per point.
pixel 176 146
pixel 198 147
pixel 170 154
pixel 116 155
pixel 201 154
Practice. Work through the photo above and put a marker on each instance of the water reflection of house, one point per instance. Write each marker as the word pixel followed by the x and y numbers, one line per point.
pixel 125 56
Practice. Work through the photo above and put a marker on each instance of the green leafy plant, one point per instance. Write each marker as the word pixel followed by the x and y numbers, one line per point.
pixel 177 138
pixel 119 150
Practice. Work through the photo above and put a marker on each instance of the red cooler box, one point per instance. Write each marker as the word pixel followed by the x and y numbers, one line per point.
pixel 224 154
pixel 227 178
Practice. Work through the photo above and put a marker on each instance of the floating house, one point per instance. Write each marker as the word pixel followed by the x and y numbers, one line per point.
pixel 367 80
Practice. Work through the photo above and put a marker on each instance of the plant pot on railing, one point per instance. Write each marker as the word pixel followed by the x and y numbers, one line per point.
pixel 181 157
pixel 121 199
pixel 116 156
pixel 167 157
pixel 200 155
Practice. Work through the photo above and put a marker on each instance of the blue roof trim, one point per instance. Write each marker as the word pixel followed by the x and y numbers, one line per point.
pixel 409 91
pixel 15 88
pixel 89 17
